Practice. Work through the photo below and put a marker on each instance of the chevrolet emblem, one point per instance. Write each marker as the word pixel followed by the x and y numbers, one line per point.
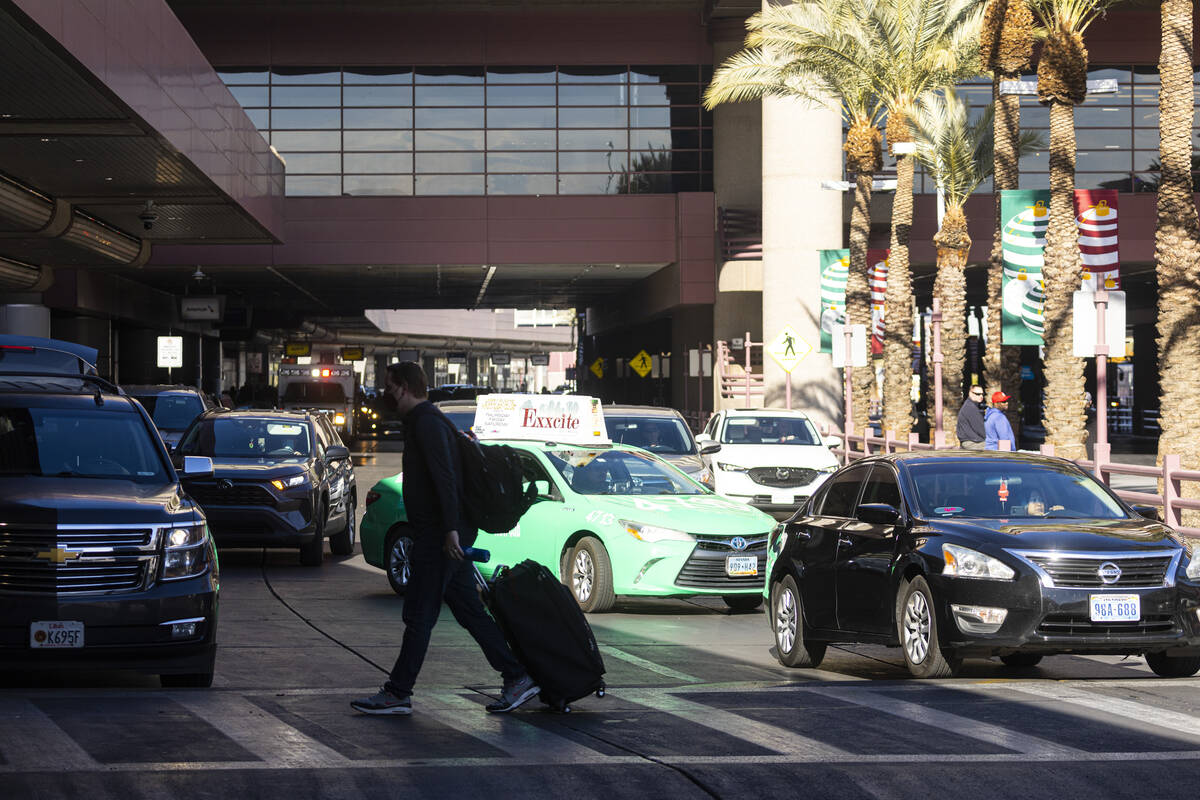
pixel 58 555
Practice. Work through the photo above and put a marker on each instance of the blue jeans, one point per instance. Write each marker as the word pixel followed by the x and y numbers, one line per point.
pixel 432 579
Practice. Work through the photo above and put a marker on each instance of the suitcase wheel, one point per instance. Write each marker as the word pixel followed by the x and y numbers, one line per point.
pixel 566 709
pixel 600 692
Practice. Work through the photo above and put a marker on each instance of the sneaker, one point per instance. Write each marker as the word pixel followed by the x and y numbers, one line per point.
pixel 514 694
pixel 383 702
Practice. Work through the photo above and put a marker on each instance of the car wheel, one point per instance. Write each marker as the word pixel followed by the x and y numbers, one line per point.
pixel 342 544
pixel 191 680
pixel 591 576
pixel 792 648
pixel 917 622
pixel 312 553
pixel 1019 660
pixel 1166 666
pixel 398 559
pixel 742 602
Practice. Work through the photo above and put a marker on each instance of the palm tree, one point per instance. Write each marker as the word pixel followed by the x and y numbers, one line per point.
pixel 957 153
pixel 1062 85
pixel 1177 244
pixel 1006 44
pixel 788 54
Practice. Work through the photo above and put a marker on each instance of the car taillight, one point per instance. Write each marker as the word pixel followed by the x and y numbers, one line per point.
pixel 372 497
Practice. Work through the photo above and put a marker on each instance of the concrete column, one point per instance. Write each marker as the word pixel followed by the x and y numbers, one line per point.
pixel 801 147
pixel 25 319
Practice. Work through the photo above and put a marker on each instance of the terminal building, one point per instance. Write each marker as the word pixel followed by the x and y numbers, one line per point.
pixel 247 173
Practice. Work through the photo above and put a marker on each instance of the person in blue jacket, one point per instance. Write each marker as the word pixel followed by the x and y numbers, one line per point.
pixel 995 424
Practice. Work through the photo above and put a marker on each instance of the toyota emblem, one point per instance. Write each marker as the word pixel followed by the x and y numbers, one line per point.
pixel 783 473
pixel 225 484
pixel 738 543
pixel 1109 572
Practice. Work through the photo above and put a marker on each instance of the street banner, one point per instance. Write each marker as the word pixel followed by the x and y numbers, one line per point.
pixel 1096 217
pixel 1025 213
pixel 835 269
pixel 877 270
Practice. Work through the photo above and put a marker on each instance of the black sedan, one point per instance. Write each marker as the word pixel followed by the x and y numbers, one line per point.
pixel 280 479
pixel 953 555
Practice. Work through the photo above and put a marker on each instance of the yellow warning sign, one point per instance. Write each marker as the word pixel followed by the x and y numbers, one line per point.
pixel 788 349
pixel 597 367
pixel 642 363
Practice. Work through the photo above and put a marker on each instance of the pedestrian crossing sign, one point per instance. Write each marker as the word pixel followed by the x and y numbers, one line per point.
pixel 788 348
pixel 642 363
pixel 597 367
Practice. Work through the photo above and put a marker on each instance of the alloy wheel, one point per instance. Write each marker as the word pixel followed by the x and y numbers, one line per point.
pixel 583 575
pixel 916 628
pixel 785 621
pixel 398 560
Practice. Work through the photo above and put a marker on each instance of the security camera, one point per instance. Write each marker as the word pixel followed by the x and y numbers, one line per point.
pixel 148 215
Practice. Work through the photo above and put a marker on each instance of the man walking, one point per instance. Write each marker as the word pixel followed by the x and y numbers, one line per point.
pixel 433 501
pixel 970 429
pixel 996 425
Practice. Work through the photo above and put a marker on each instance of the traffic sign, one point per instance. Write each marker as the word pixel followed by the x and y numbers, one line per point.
pixel 352 354
pixel 295 349
pixel 170 351
pixel 597 368
pixel 642 363
pixel 788 348
pixel 501 359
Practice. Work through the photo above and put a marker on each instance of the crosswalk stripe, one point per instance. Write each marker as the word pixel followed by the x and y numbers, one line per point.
pixel 609 650
pixel 36 742
pixel 259 732
pixel 1130 709
pixel 952 723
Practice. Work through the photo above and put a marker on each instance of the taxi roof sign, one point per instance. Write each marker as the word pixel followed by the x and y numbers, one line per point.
pixel 564 418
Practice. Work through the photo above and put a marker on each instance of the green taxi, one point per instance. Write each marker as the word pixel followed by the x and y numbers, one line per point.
pixel 610 520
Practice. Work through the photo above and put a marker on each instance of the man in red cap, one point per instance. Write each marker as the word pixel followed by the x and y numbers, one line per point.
pixel 995 424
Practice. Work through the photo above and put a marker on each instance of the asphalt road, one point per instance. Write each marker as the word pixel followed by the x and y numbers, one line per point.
pixel 696 707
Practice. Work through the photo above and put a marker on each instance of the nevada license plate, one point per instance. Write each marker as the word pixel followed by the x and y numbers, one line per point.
pixel 738 566
pixel 1116 607
pixel 58 633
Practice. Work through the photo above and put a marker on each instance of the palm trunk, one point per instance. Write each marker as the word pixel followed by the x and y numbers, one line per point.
pixel 1063 414
pixel 897 309
pixel 950 286
pixel 858 291
pixel 1177 248
pixel 1002 365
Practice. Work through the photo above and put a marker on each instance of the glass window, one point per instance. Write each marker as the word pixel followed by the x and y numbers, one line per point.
pixel 520 75
pixel 78 443
pixel 313 163
pixel 313 186
pixel 294 141
pixel 448 96
pixel 378 162
pixel 469 75
pixel 1121 181
pixel 378 140
pixel 670 74
pixel 881 487
pixel 591 75
pixel 651 117
pixel 241 75
pixel 377 96
pixel 521 184
pixel 520 162
pixel 251 95
pixel 592 117
pixel 520 140
pixel 1096 160
pixel 171 412
pixel 769 430
pixel 1100 139
pixel 302 118
pixel 520 117
pixel 588 95
pixel 1034 115
pixel 1103 116
pixel 1147 138
pixel 449 162
pixel 661 435
pixel 842 495
pixel 305 75
pixel 306 96
pixel 650 95
pixel 611 161
pixel 449 185
pixel 378 117
pixel 449 118
pixel 620 472
pixel 247 437
pixel 593 140
pixel 261 118
pixel 449 140
pixel 587 184
pixel 520 96
pixel 964 488
pixel 377 75
pixel 377 184
pixel 650 139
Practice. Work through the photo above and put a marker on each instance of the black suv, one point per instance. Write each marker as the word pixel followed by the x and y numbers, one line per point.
pixel 281 479
pixel 104 561
pixel 171 407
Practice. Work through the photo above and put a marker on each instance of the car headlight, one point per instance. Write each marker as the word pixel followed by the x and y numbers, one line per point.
pixel 287 483
pixel 653 533
pixel 1193 555
pixel 730 467
pixel 706 477
pixel 339 419
pixel 186 553
pixel 829 470
pixel 964 562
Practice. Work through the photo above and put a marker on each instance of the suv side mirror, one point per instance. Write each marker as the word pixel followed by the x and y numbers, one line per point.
pixel 707 448
pixel 1149 512
pixel 336 452
pixel 197 466
pixel 877 514
pixel 831 441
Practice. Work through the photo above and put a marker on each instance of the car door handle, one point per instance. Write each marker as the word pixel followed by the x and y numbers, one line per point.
pixel 844 542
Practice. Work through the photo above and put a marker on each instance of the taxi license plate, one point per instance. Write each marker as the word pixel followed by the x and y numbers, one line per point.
pixel 1116 607
pixel 739 566
pixel 56 634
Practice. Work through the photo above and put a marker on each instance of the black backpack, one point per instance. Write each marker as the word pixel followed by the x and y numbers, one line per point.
pixel 493 497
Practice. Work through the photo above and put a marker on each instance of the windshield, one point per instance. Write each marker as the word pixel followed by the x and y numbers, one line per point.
pixel 996 489
pixel 85 444
pixel 663 435
pixel 619 472
pixel 246 437
pixel 463 420
pixel 313 392
pixel 172 412
pixel 769 430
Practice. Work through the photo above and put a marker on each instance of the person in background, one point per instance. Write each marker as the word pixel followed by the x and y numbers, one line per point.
pixel 970 428
pixel 996 425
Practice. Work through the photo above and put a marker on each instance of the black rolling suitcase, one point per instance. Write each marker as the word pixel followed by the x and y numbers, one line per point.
pixel 547 632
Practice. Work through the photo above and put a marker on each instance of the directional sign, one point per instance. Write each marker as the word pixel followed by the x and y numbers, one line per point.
pixel 539 360
pixel 597 368
pixel 352 354
pixel 501 359
pixel 170 351
pixel 642 363
pixel 788 349
pixel 294 349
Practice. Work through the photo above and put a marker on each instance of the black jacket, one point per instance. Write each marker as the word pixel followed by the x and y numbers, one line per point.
pixel 970 426
pixel 433 475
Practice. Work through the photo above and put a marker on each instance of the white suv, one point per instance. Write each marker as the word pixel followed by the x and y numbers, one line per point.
pixel 770 458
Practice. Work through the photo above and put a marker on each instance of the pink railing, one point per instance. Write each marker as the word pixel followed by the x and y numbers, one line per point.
pixel 742 385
